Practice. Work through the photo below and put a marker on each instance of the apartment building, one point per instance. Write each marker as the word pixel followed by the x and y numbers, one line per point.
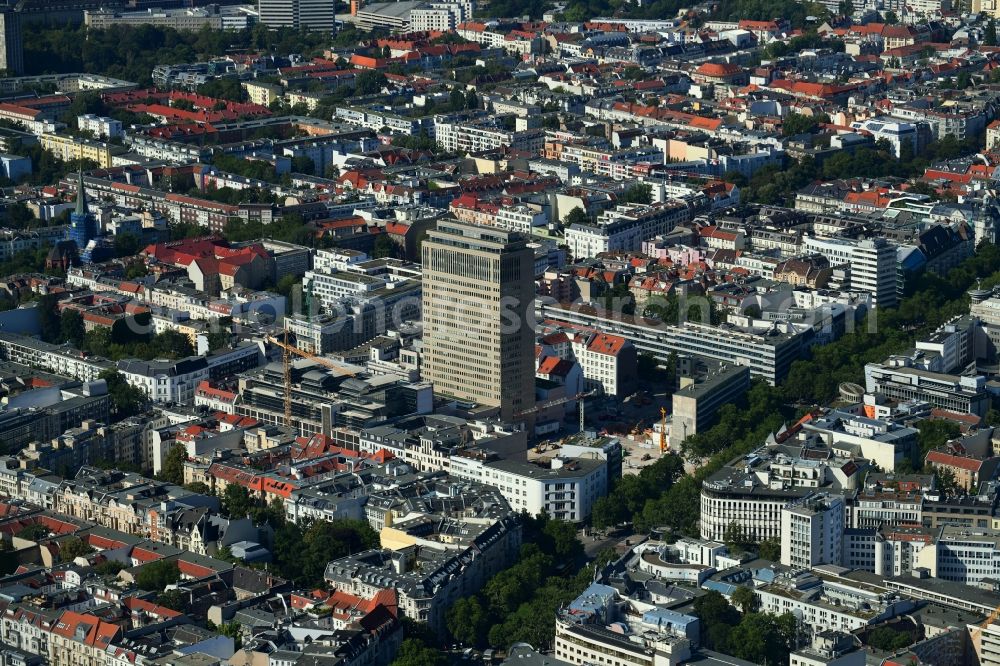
pixel 316 15
pixel 52 358
pixel 625 228
pixel 69 148
pixel 872 263
pixel 644 634
pixel 477 136
pixel 827 603
pixel 811 531
pixel 100 127
pixel 769 354
pixel 899 379
pixel 430 577
pixel 566 490
pixel 753 491
pixel 13 241
pixel 698 399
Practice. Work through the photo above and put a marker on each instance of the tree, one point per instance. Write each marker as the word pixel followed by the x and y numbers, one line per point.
pixel 990 33
pixel 157 575
pixel 72 548
pixel 888 639
pixel 416 653
pixel 769 549
pixel 717 617
pixel 51 329
pixel 127 245
pixel 369 82
pixel 763 638
pixel 173 465
pixel 236 501
pixel 71 327
pixel 606 513
pixel 935 433
pixel 641 193
pixel 303 164
pixel 198 487
pixel 471 100
pixel 126 400
pixel 34 532
pixel 468 621
pixel 110 567
pixel 565 545
pixel 744 599
pixel 577 216
pixel 797 123
pixel 736 539
pixel 945 482
pixel 385 247
pixel 174 599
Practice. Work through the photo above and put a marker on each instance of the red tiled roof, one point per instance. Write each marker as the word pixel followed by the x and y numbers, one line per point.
pixel 959 462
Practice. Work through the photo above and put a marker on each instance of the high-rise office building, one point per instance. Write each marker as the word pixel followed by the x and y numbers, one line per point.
pixel 478 295
pixel 317 15
pixel 11 46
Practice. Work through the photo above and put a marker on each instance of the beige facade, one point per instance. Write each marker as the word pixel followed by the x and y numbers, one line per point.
pixel 477 290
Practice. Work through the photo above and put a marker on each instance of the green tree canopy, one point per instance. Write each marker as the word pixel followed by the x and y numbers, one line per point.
pixel 157 575
pixel 72 548
pixel 173 465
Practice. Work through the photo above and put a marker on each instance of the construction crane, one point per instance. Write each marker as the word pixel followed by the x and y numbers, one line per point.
pixel 559 401
pixel 663 430
pixel 978 629
pixel 287 351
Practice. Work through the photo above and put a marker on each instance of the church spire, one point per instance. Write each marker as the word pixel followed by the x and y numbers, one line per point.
pixel 81 196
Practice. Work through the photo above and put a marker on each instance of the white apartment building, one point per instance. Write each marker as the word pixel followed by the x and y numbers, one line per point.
pixel 961 555
pixel 625 228
pixel 897 550
pixel 378 121
pixel 330 288
pixel 337 259
pixel 898 380
pixel 166 381
pixel 14 241
pixel 753 492
pixel 566 491
pixel 811 531
pixel 299 14
pixel 440 16
pixel 607 361
pixel 872 264
pixel 520 218
pixel 876 508
pixel 602 626
pixel 100 127
pixel 883 442
pixel 52 358
pixel 830 604
pixel 470 136
pixel 896 133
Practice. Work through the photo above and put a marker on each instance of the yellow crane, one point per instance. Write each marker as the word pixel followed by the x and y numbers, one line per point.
pixel 663 430
pixel 287 351
pixel 978 629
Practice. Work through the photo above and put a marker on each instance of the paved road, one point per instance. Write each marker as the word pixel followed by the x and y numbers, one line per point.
pixel 593 547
